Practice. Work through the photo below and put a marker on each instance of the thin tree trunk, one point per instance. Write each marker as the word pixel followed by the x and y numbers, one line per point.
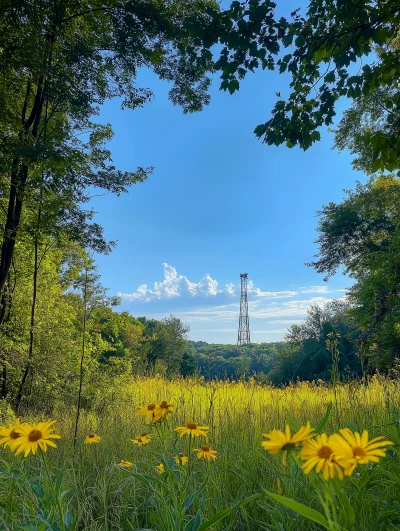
pixel 78 411
pixel 4 382
pixel 33 313
pixel 19 175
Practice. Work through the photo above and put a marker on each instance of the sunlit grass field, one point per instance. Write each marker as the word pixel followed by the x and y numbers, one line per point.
pixel 96 494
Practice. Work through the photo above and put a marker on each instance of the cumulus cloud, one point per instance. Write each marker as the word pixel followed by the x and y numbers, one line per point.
pixel 175 285
pixel 212 309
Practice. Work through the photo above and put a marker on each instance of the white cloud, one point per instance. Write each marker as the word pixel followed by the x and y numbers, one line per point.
pixel 269 294
pixel 175 285
pixel 221 330
pixel 203 304
pixel 268 311
pixel 320 289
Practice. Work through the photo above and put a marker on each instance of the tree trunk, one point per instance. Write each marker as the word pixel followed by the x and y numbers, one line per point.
pixel 4 382
pixel 33 313
pixel 19 176
pixel 78 411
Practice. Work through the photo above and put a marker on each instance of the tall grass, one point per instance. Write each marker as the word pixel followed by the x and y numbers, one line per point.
pixel 102 496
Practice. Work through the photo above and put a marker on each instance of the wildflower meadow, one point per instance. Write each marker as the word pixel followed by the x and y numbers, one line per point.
pixel 193 455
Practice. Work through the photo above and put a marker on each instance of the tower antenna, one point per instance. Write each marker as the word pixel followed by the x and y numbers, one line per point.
pixel 244 326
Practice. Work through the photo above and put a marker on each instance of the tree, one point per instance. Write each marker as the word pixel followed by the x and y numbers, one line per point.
pixel 368 117
pixel 362 234
pixel 166 342
pixel 59 61
pixel 323 48
pixel 122 333
pixel 188 365
pixel 306 355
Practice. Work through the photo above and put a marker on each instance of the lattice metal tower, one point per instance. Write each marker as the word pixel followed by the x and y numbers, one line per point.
pixel 244 326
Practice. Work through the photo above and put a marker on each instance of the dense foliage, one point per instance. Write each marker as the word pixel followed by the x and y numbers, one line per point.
pixel 232 361
pixel 60 61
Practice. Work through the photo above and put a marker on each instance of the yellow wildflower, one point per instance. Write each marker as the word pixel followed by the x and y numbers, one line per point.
pixel 92 438
pixel 285 441
pixel 319 454
pixel 352 449
pixel 163 409
pixel 125 464
pixel 10 434
pixel 34 436
pixel 160 468
pixel 141 441
pixel 192 429
pixel 205 452
pixel 181 459
pixel 151 411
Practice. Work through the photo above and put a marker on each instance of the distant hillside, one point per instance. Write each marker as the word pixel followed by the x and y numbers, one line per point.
pixel 232 361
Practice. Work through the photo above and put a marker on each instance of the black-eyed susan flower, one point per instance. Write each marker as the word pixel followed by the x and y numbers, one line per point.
pixel 150 411
pixel 181 459
pixel 160 468
pixel 34 436
pixel 205 452
pixel 192 429
pixel 125 464
pixel 92 438
pixel 352 449
pixel 9 434
pixel 319 453
pixel 141 441
pixel 277 440
pixel 163 409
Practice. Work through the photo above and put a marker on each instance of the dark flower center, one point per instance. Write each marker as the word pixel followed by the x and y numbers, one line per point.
pixel 191 425
pixel 14 434
pixel 359 452
pixel 150 407
pixel 34 435
pixel 164 404
pixel 205 448
pixel 325 452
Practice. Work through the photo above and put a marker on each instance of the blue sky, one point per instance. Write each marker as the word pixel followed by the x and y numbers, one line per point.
pixel 218 204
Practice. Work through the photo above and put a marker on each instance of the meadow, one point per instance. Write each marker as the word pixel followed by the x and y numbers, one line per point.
pixel 85 488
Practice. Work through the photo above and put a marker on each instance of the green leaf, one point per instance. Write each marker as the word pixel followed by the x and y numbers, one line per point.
pixel 59 479
pixel 320 54
pixel 68 517
pixel 347 511
pixel 324 421
pixel 300 41
pixel 224 512
pixel 293 422
pixel 315 136
pixel 216 518
pixel 300 508
pixel 330 77
pixel 380 36
pixel 233 86
pixel 194 523
pixel 191 497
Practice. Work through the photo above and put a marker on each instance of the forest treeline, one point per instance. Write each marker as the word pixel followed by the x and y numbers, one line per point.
pixel 60 333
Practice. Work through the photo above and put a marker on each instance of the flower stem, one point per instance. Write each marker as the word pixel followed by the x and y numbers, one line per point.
pixel 55 494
